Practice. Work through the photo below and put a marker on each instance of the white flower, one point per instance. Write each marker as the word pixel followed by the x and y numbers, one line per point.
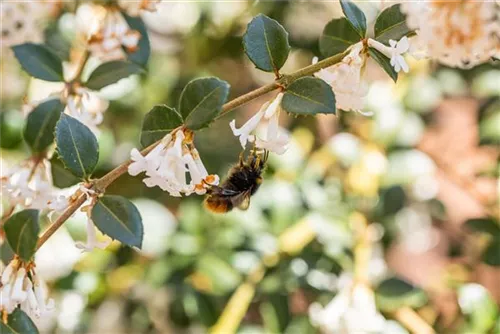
pixel 108 36
pixel 87 107
pixel 272 140
pixel 166 166
pixel 28 291
pixel 134 8
pixel 394 52
pixel 456 33
pixel 29 185
pixel 91 238
pixel 352 310
pixel 346 80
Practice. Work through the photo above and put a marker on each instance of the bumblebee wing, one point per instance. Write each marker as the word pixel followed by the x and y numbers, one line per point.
pixel 242 200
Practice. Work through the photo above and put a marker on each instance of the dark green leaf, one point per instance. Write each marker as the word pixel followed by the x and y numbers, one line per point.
pixel 394 293
pixel 391 24
pixel 309 96
pixel 39 62
pixel 337 36
pixel 266 43
pixel 77 146
pixel 383 61
pixel 22 230
pixel 491 255
pixel 484 225
pixel 61 176
pixel 40 124
pixel 117 217
pixel 201 101
pixel 141 55
pixel 110 73
pixel 355 16
pixel 158 122
pixel 18 322
pixel 56 42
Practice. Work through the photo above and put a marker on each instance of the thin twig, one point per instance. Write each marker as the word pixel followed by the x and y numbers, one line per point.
pixel 101 184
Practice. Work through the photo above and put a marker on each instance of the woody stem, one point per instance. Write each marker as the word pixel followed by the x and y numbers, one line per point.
pixel 101 184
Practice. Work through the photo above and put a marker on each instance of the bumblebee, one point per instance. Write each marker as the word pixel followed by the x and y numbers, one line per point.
pixel 241 183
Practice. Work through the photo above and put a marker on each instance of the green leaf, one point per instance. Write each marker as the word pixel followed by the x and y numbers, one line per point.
pixel 141 55
pixel 61 176
pixel 22 231
pixel 266 43
pixel 337 36
pixel 394 293
pixel 383 61
pixel 484 225
pixel 117 217
pixel 40 124
pixel 158 122
pixel 18 322
pixel 39 61
pixel 355 16
pixel 77 146
pixel 391 24
pixel 491 255
pixel 309 96
pixel 202 100
pixel 111 72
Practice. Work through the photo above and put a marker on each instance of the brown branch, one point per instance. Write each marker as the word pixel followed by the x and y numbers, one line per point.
pixel 101 184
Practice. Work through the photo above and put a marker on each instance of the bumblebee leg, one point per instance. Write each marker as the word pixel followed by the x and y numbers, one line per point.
pixel 241 159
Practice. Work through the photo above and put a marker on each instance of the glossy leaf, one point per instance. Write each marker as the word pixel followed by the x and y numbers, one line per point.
pixel 111 72
pixel 117 217
pixel 309 96
pixel 77 146
pixel 61 176
pixel 141 55
pixel 355 16
pixel 40 124
pixel 491 255
pixel 394 293
pixel 483 225
pixel 18 322
pixel 337 36
pixel 202 100
pixel 158 122
pixel 22 230
pixel 391 24
pixel 384 62
pixel 39 61
pixel 266 43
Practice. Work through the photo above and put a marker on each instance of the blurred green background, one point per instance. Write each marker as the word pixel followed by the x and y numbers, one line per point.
pixel 407 179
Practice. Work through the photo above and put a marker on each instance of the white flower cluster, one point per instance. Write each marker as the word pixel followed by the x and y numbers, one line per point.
pixel 107 32
pixel 23 21
pixel 456 33
pixel 134 8
pixel 346 79
pixel 352 310
pixel 21 286
pixel 87 107
pixel 273 139
pixel 166 166
pixel 30 186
